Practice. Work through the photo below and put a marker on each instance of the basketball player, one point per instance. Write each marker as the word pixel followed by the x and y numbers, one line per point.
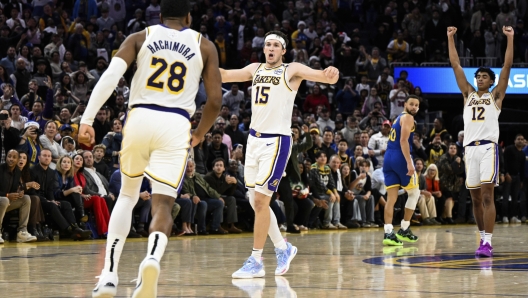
pixel 170 61
pixel 398 169
pixel 273 93
pixel 481 135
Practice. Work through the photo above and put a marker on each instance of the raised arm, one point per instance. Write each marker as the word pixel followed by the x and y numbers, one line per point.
pixel 298 72
pixel 407 122
pixel 464 86
pixel 500 90
pixel 238 75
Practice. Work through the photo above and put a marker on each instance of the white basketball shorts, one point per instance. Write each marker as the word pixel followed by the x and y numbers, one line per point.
pixel 482 165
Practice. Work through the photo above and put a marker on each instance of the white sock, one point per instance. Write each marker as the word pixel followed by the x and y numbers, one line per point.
pixel 405 224
pixel 388 228
pixel 114 247
pixel 487 238
pixel 482 234
pixel 257 254
pixel 273 229
pixel 281 244
pixel 156 245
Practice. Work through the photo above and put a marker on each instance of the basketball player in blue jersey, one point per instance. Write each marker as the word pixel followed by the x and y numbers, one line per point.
pixel 398 169
pixel 273 93
pixel 171 59
pixel 481 135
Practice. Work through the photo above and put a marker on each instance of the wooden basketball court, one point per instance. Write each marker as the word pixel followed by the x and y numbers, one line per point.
pixel 329 264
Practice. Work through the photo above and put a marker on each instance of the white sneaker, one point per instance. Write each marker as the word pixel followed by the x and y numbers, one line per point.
pixel 505 220
pixel 515 220
pixel 107 286
pixel 340 226
pixel 24 237
pixel 147 283
pixel 329 226
pixel 1 240
pixel 283 228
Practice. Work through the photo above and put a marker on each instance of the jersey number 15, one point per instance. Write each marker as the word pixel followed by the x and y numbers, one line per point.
pixel 176 79
pixel 262 95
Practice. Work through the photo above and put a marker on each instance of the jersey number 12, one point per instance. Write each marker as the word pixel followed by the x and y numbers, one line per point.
pixel 176 79
pixel 478 114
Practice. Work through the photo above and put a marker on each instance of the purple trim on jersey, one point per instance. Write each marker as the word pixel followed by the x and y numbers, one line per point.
pixel 182 29
pixel 279 164
pixel 164 109
pixel 494 180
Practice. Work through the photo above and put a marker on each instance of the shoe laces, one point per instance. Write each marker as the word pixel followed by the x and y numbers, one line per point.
pixel 282 255
pixel 249 263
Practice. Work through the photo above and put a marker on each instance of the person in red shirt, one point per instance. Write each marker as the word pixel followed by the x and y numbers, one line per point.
pixel 315 99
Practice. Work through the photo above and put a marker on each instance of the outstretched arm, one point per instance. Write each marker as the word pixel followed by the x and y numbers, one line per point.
pixel 500 90
pixel 298 72
pixel 464 86
pixel 238 75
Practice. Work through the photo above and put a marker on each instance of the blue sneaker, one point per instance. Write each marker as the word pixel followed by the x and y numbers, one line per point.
pixel 284 258
pixel 250 269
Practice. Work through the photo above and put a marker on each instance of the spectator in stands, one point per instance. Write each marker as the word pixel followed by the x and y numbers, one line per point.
pixel 81 82
pixel 398 49
pixel 10 135
pixel 11 197
pixel 414 23
pixel 315 99
pixel 350 206
pixel 100 165
pixel 368 152
pixel 78 44
pixel 432 182
pixel 30 143
pixel 342 190
pixel 378 142
pixel 233 98
pixel 514 163
pixel 478 16
pixel 101 125
pixel 152 13
pixel 216 149
pixel 373 121
pixel 426 202
pixel 384 87
pixel 67 190
pixel 350 130
pixel 347 98
pixel 374 65
pixel 200 157
pixel 136 24
pixel 418 150
pixel 418 52
pixel 60 211
pixel 47 141
pixel 200 191
pixel 451 168
pixel 438 128
pixel 434 150
pixel 362 190
pixel 323 187
pixel 17 121
pixel 343 153
pixel 397 99
pixel 324 146
pixel 371 101
pixel 434 33
pixel 112 142
pixel 8 62
pixel 96 184
pixel 491 35
pixel 122 88
pixel 31 96
pixel 225 185
pixel 478 45
pixel 232 130
pixel 324 120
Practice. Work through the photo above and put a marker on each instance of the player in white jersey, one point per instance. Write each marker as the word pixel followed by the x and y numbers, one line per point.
pixel 170 61
pixel 481 135
pixel 273 93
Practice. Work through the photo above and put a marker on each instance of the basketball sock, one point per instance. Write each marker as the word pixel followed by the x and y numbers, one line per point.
pixel 405 224
pixel 388 228
pixel 157 242
pixel 257 254
pixel 482 235
pixel 487 238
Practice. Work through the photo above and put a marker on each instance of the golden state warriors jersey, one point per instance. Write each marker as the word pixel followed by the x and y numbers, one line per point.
pixel 481 118
pixel 169 67
pixel 272 100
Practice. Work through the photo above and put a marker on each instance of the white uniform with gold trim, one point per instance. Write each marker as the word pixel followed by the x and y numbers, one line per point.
pixel 157 129
pixel 269 143
pixel 481 135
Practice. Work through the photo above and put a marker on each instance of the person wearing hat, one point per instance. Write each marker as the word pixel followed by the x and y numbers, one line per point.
pixel 66 130
pixel 29 142
pixel 299 33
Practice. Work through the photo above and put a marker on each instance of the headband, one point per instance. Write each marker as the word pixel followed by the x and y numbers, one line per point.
pixel 275 36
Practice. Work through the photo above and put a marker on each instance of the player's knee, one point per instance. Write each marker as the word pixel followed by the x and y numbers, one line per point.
pixel 130 187
pixel 162 189
pixel 412 200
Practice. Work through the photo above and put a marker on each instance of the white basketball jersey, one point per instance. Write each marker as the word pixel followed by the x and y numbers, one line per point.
pixel 169 67
pixel 272 100
pixel 481 118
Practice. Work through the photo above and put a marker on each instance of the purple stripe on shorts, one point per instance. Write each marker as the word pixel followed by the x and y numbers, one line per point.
pixel 280 162
pixel 495 175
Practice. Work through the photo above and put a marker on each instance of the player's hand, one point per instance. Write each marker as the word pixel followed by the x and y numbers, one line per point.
pixel 195 139
pixel 451 31
pixel 410 169
pixel 507 30
pixel 332 74
pixel 86 135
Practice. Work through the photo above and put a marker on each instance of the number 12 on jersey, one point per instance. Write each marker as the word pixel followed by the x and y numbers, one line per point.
pixel 478 114
pixel 262 95
pixel 175 81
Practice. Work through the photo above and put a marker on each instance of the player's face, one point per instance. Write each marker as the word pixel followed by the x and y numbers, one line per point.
pixel 273 51
pixel 484 81
pixel 412 105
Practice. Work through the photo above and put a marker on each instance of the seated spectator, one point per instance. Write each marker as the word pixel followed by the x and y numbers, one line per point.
pixel 96 184
pixel 100 165
pixel 101 125
pixel 371 101
pixel 384 86
pixel 30 142
pixel 373 121
pixel 67 190
pixel 90 199
pixel 206 199
pixel 417 148
pixel 60 211
pixel 438 129
pixel 514 164
pixel 362 189
pixel 378 142
pixel 216 149
pixel 451 169
pixel 350 130
pixel 397 98
pixel 343 153
pixel 324 145
pixel 12 198
pixel 47 140
pixel 225 185
pixel 432 182
pixel 398 49
pixel 349 204
pixel 368 153
pixel 233 98
pixel 68 144
pixel 17 120
pixel 232 130
pixel 324 188
pixel 81 82
pixel 342 190
pixel 66 123
pixel 363 85
pixel 315 99
pixel 220 125
pixel 426 202
pixel 324 120
pixel 379 191
pixel 200 156
pixel 434 150
pixel 112 141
